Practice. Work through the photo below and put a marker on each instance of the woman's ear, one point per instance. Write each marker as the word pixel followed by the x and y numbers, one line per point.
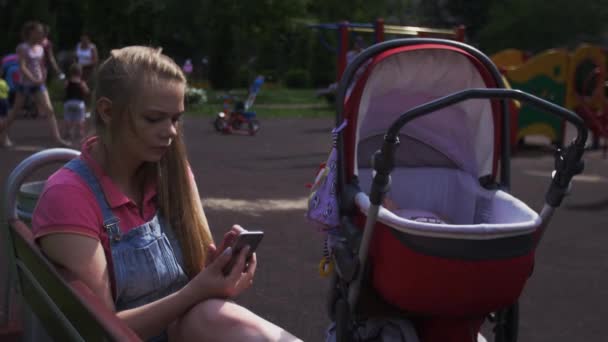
pixel 103 107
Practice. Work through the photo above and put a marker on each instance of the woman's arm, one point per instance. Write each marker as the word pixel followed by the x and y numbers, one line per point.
pixel 84 256
pixel 51 56
pixel 85 88
pixel 95 58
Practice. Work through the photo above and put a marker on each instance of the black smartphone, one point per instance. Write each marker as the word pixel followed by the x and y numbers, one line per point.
pixel 251 238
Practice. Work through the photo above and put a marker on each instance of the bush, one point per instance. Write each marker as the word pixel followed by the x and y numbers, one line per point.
pixel 195 96
pixel 271 75
pixel 297 78
pixel 243 77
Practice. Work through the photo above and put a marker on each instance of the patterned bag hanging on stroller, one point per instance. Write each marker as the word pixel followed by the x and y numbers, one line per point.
pixel 323 208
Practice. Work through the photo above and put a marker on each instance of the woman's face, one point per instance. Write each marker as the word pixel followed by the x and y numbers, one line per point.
pixel 154 123
pixel 36 35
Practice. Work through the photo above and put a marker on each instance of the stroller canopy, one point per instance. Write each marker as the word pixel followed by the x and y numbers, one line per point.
pixel 460 136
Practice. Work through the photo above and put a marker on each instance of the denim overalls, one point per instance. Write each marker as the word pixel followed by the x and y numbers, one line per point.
pixel 147 260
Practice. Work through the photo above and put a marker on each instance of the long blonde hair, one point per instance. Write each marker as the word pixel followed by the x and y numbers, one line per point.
pixel 120 78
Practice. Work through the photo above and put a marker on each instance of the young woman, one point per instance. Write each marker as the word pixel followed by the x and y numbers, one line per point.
pixel 126 217
pixel 33 77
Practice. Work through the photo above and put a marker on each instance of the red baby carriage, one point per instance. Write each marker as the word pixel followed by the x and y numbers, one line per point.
pixel 455 246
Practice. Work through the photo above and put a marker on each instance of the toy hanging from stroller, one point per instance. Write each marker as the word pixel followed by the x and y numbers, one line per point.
pixel 424 239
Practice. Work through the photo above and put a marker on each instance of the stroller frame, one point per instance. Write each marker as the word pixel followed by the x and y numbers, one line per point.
pixel 351 253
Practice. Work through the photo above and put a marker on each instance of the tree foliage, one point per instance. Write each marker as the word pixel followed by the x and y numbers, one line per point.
pixel 242 38
pixel 536 25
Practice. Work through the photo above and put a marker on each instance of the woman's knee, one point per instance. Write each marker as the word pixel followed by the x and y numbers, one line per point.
pixel 219 313
pixel 217 319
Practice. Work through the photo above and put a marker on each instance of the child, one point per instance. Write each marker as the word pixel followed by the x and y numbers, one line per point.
pixel 4 89
pixel 76 91
pixel 126 218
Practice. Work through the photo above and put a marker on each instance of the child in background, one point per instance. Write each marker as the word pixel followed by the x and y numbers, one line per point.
pixel 76 91
pixel 4 89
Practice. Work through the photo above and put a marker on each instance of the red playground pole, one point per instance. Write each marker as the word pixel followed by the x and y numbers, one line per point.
pixel 342 48
pixel 379 30
pixel 460 31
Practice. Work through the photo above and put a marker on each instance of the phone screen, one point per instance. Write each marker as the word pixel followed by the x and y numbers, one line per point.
pixel 247 238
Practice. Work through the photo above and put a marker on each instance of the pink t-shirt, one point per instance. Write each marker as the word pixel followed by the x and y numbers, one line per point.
pixel 67 204
pixel 34 61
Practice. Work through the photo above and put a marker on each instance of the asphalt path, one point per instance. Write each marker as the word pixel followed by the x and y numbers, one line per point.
pixel 259 182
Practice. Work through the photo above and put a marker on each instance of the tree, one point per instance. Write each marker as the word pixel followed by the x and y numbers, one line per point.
pixel 536 25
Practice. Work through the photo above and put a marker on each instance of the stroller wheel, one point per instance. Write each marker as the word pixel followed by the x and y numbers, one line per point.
pixel 507 324
pixel 333 297
pixel 343 326
pixel 254 127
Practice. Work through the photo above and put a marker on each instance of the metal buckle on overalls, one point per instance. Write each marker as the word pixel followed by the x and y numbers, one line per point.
pixel 113 229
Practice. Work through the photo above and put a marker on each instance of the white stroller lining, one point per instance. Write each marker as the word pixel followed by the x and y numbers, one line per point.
pixel 454 196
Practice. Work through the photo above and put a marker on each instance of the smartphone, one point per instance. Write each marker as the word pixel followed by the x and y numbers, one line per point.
pixel 251 238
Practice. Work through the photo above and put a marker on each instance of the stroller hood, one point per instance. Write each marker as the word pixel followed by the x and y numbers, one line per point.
pixel 395 81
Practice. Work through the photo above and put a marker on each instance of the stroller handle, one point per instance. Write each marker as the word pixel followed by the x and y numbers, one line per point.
pixel 491 93
pixel 568 162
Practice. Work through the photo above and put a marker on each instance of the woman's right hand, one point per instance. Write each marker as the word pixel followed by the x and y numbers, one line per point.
pixel 213 283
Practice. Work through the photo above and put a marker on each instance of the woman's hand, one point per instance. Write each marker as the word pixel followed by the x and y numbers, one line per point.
pixel 213 283
pixel 229 239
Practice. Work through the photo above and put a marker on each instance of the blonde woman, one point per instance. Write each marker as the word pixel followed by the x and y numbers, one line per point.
pixel 126 217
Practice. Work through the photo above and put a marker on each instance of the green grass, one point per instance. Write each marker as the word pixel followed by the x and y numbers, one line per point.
pixel 271 95
pixel 210 109
pixel 288 96
pixel 272 101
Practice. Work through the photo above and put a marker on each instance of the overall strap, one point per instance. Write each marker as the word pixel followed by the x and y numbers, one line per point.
pixel 110 222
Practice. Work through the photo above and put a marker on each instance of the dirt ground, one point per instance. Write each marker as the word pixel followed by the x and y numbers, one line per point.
pixel 259 182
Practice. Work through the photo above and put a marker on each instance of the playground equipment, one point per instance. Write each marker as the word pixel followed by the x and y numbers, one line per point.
pixel 58 305
pixel 380 30
pixel 573 80
pixel 586 94
pixel 509 58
